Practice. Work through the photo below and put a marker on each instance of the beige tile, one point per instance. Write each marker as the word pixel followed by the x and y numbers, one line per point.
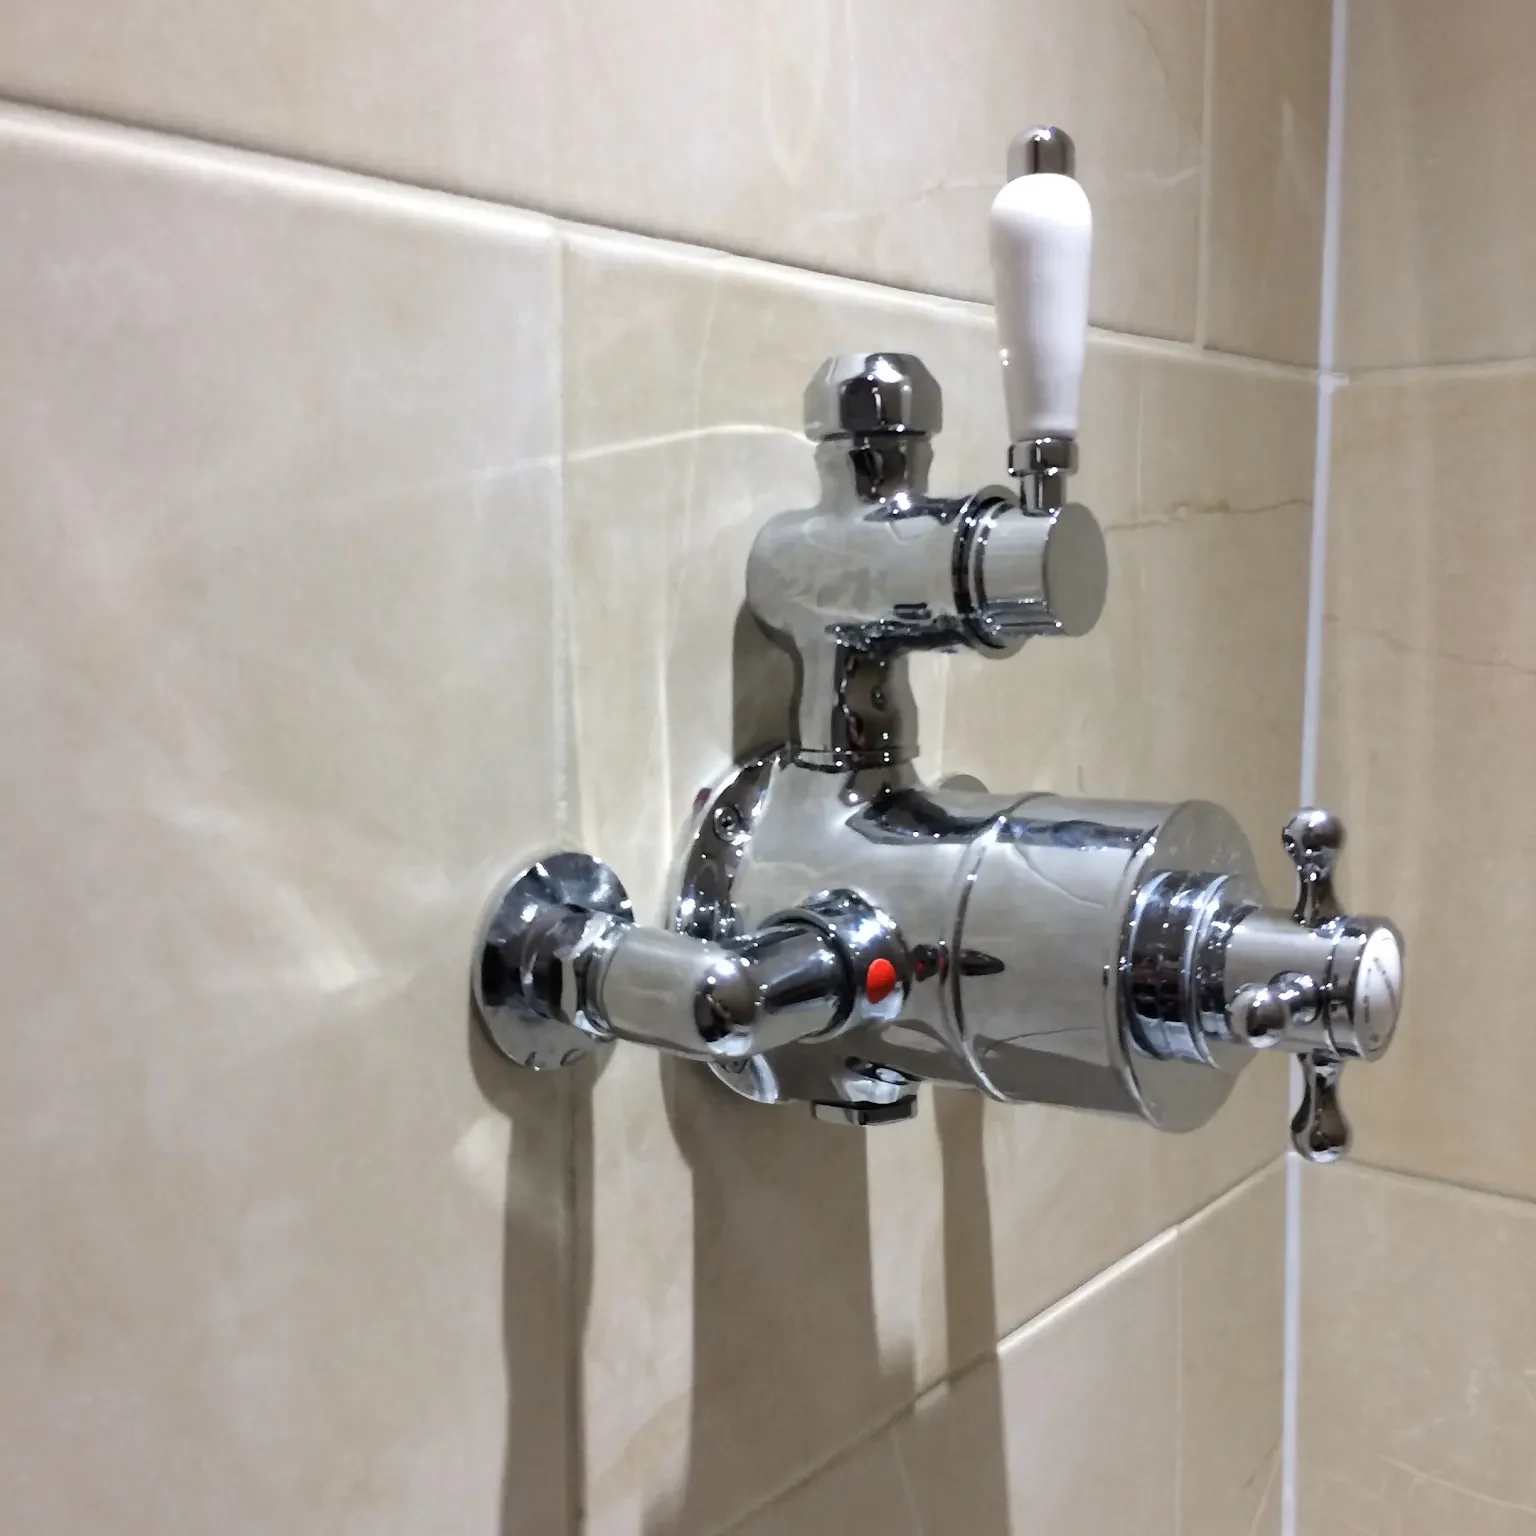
pixel 1268 138
pixel 1422 758
pixel 466 96
pixel 1438 253
pixel 1270 1519
pixel 863 138
pixel 1403 564
pixel 1232 1361
pixel 865 1491
pixel 714 1219
pixel 1069 1428
pixel 284 1251
pixel 1152 1349
pixel 1403 1504
pixel 1100 1185
pixel 1430 663
pixel 1191 686
pixel 1418 1353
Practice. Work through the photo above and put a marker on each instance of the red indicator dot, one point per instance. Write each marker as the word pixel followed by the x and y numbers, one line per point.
pixel 879 980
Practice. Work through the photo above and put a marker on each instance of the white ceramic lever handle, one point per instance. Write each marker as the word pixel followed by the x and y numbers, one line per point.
pixel 1042 242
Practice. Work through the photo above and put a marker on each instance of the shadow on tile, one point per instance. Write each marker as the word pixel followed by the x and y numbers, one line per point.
pixel 970 1299
pixel 786 1354
pixel 791 1365
pixel 545 1285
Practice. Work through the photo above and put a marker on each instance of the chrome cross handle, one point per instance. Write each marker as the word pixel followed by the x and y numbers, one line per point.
pixel 1336 986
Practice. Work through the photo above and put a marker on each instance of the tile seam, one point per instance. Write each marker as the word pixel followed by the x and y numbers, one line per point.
pixel 1482 1193
pixel 143 140
pixel 1322 462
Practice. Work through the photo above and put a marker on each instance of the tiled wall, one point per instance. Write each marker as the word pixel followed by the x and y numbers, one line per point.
pixel 764 1290
pixel 1419 1345
pixel 359 539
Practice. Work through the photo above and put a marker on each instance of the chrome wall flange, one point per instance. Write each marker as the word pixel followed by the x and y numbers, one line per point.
pixel 524 975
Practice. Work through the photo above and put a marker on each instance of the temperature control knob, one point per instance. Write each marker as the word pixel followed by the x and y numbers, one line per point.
pixel 1323 984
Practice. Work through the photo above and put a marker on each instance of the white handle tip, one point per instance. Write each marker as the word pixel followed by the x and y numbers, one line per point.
pixel 1042 245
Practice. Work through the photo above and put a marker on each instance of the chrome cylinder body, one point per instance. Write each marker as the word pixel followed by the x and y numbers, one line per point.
pixel 1013 913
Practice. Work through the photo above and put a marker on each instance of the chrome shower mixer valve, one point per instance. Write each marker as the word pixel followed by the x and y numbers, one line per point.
pixel 843 932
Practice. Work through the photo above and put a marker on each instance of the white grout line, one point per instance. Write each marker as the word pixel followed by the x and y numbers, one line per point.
pixel 1317 577
pixel 1441 373
pixel 1208 141
pixel 1290 1419
pixel 1327 383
